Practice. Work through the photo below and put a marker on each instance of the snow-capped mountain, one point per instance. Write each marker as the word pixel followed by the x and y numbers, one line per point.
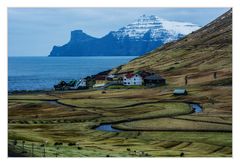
pixel 157 28
pixel 137 38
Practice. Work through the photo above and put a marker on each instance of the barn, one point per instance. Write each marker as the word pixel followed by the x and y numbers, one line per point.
pixel 154 80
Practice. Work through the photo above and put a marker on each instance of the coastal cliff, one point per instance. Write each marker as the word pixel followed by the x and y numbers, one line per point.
pixel 135 39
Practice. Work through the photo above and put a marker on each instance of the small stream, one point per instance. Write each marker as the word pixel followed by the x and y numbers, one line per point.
pixel 108 127
pixel 196 107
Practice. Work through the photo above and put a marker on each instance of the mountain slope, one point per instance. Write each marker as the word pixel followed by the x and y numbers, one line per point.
pixel 197 55
pixel 137 38
pixel 156 28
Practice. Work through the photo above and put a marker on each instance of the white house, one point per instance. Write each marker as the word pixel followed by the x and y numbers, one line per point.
pixel 132 79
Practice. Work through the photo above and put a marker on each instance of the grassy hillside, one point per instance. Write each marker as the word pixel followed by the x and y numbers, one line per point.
pixel 197 55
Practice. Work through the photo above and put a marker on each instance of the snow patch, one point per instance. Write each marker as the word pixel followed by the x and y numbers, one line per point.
pixel 156 28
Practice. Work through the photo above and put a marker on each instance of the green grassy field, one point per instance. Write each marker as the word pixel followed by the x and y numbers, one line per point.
pixel 162 124
pixel 168 124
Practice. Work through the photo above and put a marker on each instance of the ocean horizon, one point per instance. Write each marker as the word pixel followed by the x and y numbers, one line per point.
pixel 41 72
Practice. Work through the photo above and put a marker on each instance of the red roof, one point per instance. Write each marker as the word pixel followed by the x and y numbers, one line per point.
pixel 129 75
pixel 100 77
pixel 141 73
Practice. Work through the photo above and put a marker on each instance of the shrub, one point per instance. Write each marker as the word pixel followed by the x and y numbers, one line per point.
pixel 146 154
pixel 182 154
pixel 58 144
pixel 71 144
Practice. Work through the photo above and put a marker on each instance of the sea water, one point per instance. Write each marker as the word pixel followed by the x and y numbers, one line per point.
pixel 41 73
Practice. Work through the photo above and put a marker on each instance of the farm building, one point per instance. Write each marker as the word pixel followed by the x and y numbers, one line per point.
pixel 114 80
pixel 100 81
pixel 132 79
pixel 154 80
pixel 113 77
pixel 180 91
pixel 80 84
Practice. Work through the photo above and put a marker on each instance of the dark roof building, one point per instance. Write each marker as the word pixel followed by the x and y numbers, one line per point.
pixel 154 79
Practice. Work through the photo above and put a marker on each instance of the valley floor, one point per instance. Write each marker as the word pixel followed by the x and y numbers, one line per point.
pixel 154 123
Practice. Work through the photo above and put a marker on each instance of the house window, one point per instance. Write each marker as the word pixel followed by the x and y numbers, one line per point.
pixel 134 83
pixel 125 79
pixel 136 75
pixel 125 83
pixel 128 82
pixel 134 79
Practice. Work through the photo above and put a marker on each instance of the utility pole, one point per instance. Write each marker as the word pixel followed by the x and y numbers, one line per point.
pixel 45 145
pixel 57 151
pixel 186 80
pixel 32 149
pixel 44 151
pixel 23 143
pixel 14 143
pixel 215 75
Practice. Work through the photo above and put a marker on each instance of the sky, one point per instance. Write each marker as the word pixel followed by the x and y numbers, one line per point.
pixel 34 31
